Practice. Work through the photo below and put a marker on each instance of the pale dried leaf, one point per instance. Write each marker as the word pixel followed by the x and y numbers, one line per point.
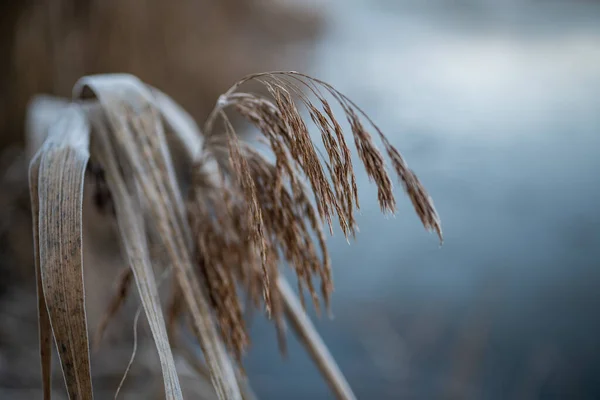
pixel 60 167
pixel 133 236
pixel 42 112
pixel 143 153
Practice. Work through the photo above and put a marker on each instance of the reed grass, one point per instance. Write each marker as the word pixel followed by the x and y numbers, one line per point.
pixel 247 208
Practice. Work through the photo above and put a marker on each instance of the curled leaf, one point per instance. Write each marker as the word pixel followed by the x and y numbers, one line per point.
pixel 59 169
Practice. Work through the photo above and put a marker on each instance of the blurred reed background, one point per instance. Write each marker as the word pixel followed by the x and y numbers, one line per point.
pixel 495 105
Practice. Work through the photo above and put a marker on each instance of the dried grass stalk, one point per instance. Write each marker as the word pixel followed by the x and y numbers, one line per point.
pixel 246 211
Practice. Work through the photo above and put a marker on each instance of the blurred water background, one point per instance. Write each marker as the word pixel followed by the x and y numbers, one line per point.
pixel 496 106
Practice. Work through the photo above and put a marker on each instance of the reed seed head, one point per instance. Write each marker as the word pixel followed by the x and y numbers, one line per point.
pixel 261 209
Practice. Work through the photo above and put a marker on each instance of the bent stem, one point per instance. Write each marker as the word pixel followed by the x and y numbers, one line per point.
pixel 313 343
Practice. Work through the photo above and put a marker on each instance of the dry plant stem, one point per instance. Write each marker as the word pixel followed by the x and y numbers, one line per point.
pixel 313 343
pixel 139 131
pixel 59 168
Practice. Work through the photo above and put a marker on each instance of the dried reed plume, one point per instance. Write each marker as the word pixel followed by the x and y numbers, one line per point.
pixel 255 213
pixel 248 209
